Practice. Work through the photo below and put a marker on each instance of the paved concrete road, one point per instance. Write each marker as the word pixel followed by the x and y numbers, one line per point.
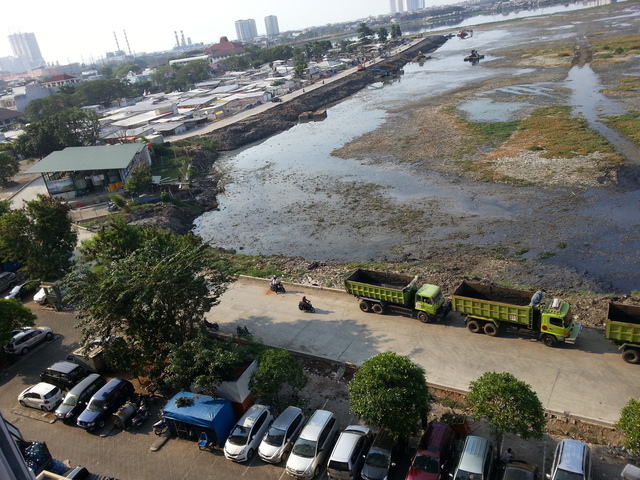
pixel 589 380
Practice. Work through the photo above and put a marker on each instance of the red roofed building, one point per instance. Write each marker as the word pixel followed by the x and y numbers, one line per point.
pixel 59 80
pixel 224 49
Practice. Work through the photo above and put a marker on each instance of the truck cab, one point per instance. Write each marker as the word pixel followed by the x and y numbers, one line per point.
pixel 557 321
pixel 429 302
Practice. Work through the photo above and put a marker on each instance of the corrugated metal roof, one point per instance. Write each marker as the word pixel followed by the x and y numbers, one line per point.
pixel 78 159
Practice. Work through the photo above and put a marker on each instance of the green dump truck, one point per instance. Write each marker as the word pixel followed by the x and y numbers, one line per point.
pixel 391 292
pixel 488 308
pixel 623 328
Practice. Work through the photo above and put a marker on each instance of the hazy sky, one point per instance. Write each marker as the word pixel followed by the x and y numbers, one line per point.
pixel 75 30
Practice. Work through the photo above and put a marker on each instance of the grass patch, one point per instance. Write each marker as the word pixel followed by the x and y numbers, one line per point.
pixel 492 133
pixel 561 245
pixel 562 135
pixel 620 46
pixel 521 251
pixel 546 254
pixel 627 124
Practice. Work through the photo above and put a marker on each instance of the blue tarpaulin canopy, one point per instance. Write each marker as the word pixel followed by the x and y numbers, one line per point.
pixel 204 411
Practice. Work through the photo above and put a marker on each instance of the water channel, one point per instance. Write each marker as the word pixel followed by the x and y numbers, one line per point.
pixel 289 196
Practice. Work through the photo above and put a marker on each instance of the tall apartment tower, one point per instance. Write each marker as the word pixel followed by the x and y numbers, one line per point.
pixel 246 29
pixel 271 24
pixel 392 5
pixel 25 46
pixel 401 7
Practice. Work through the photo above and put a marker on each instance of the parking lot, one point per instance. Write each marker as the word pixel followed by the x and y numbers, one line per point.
pixel 128 455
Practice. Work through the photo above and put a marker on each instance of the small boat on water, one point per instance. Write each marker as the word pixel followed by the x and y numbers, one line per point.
pixel 465 33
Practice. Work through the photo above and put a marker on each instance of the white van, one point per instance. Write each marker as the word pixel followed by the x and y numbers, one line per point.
pixel 476 460
pixel 571 460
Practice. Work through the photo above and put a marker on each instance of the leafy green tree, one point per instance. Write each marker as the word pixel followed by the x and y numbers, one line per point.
pixel 298 71
pixel 395 31
pixel 9 166
pixel 114 241
pixel 278 379
pixel 508 404
pixel 40 236
pixel 156 297
pixel 122 70
pixel 101 92
pixel 383 35
pixel 47 107
pixel 629 424
pixel 13 315
pixel 69 127
pixel 391 391
pixel 106 71
pixel 207 362
pixel 364 33
pixel 139 180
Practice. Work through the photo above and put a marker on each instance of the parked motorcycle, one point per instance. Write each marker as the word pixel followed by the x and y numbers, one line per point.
pixel 306 307
pixel 212 325
pixel 160 427
pixel 112 207
pixel 243 332
pixel 278 288
pixel 142 413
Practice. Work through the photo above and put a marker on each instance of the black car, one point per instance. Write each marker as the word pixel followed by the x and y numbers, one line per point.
pixel 63 374
pixel 520 470
pixel 78 397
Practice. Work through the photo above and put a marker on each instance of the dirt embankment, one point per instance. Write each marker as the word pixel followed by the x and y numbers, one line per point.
pixel 285 115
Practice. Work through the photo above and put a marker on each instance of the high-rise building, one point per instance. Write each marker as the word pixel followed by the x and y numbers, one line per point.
pixel 271 24
pixel 246 29
pixel 401 7
pixel 392 5
pixel 25 47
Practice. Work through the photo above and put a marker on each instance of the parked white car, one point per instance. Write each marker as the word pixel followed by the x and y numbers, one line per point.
pixel 246 435
pixel 42 395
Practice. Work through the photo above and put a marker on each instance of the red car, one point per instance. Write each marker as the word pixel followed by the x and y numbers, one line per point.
pixel 434 453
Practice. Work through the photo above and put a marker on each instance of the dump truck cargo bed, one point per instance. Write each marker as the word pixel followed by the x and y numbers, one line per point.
pixel 388 287
pixel 493 303
pixel 623 323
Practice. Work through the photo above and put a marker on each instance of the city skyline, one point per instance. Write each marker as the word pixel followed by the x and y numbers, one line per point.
pixel 69 32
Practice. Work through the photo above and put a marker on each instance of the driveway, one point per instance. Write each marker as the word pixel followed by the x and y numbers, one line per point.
pixel 589 380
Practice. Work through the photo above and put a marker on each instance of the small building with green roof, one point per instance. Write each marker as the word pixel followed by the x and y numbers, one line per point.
pixel 80 171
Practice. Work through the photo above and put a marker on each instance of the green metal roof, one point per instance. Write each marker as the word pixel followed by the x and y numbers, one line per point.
pixel 77 159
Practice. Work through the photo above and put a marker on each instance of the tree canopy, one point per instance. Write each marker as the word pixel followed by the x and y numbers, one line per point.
pixel 13 315
pixel 139 180
pixel 206 362
pixel 155 297
pixel 629 424
pixel 278 379
pixel 508 404
pixel 391 391
pixel 9 166
pixel 56 129
pixel 40 236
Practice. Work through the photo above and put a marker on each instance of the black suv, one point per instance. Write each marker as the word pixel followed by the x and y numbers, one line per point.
pixel 63 374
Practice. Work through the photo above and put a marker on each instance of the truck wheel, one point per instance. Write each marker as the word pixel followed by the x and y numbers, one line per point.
pixel 474 326
pixel 549 340
pixel 365 306
pixel 491 329
pixel 631 356
pixel 424 317
pixel 377 308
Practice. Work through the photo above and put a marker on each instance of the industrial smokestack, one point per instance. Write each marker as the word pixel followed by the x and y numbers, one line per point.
pixel 117 44
pixel 177 41
pixel 127 40
pixel 182 34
